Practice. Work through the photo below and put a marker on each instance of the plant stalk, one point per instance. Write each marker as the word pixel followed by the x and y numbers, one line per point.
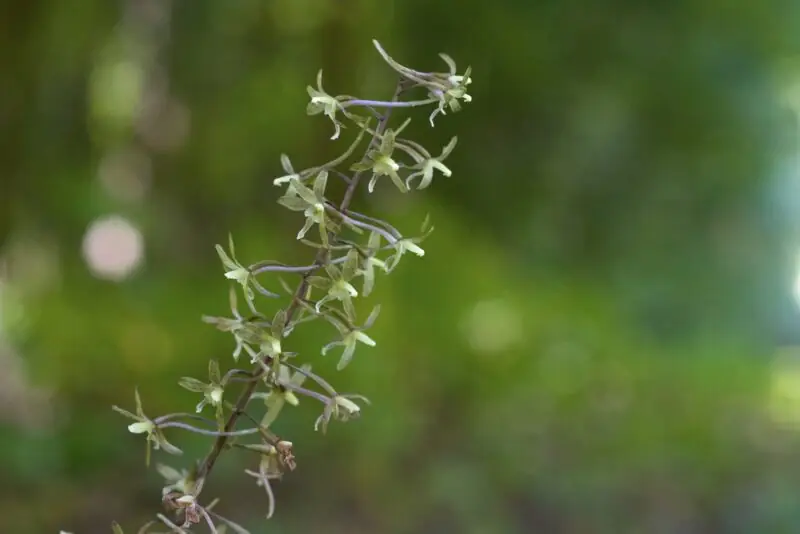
pixel 244 397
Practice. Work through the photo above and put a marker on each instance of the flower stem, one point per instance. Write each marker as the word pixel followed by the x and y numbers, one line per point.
pixel 389 104
pixel 218 434
pixel 366 226
pixel 244 397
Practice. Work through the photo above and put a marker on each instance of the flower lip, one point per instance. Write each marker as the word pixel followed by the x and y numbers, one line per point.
pixel 140 427
pixel 236 274
pixel 348 405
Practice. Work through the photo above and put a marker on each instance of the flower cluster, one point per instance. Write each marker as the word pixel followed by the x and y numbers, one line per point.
pixel 352 250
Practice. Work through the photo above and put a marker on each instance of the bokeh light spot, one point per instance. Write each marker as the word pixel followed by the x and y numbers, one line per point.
pixel 113 248
pixel 492 326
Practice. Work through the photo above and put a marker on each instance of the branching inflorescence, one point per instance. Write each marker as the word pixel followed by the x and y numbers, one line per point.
pixel 351 248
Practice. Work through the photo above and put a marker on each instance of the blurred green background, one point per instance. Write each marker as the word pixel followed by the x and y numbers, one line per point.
pixel 598 340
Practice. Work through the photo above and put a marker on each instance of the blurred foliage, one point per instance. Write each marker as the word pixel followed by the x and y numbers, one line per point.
pixel 587 345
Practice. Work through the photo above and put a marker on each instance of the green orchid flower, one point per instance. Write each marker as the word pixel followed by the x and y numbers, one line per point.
pixel 340 408
pixel 282 393
pixel 380 163
pixel 409 244
pixel 242 275
pixel 322 102
pixel 338 284
pixel 427 164
pixel 271 339
pixel 448 88
pixel 212 391
pixel 145 425
pixel 351 336
pixel 312 203
pixel 183 481
pixel 246 332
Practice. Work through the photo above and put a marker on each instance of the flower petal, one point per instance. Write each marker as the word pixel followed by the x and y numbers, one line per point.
pixel 365 339
pixel 347 355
